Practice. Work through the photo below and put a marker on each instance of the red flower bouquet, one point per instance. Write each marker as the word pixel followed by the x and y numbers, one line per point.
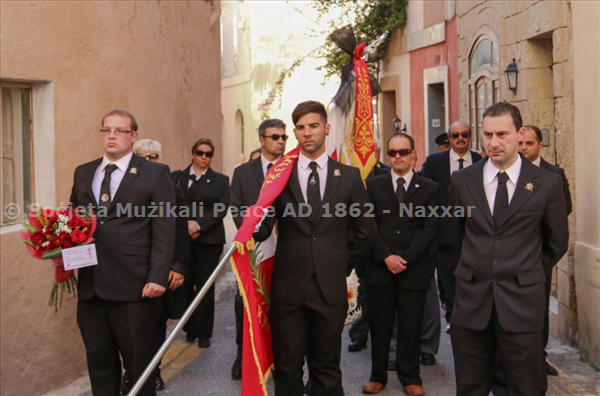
pixel 48 233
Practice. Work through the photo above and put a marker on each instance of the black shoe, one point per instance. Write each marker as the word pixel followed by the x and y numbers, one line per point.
pixel 391 366
pixel 203 343
pixel 356 346
pixel 189 337
pixel 427 359
pixel 236 370
pixel 160 384
pixel 125 385
pixel 551 370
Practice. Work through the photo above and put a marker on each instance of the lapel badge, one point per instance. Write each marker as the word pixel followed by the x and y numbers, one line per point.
pixel 104 197
pixel 337 172
pixel 208 180
pixel 529 187
pixel 417 186
pixel 133 170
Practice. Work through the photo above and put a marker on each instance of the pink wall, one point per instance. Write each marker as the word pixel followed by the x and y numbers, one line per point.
pixel 435 55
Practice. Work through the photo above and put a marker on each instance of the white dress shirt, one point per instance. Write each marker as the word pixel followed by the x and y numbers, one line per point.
pixel 115 177
pixel 454 164
pixel 193 176
pixel 537 161
pixel 407 178
pixel 265 163
pixel 304 172
pixel 490 181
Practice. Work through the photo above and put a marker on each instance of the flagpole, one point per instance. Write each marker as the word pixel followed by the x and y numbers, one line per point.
pixel 186 316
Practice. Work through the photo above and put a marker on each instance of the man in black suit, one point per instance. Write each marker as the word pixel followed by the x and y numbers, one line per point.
pixel 516 233
pixel 530 146
pixel 309 298
pixel 359 331
pixel 439 167
pixel 115 310
pixel 245 187
pixel 402 266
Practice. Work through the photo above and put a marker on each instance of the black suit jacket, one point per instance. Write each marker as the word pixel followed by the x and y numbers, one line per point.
pixel 245 187
pixel 409 237
pixel 505 266
pixel 561 172
pixel 302 245
pixel 132 250
pixel 213 193
pixel 437 168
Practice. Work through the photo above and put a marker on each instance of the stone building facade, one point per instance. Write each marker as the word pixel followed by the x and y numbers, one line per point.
pixel 63 66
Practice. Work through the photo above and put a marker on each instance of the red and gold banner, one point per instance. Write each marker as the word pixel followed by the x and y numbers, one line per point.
pixel 363 156
pixel 253 274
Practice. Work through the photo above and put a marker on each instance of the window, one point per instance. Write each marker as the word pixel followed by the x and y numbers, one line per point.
pixel 16 190
pixel 484 86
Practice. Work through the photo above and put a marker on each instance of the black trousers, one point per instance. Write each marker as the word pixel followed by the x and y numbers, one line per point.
pixel 431 327
pixel 312 328
pixel 386 304
pixel 359 331
pixel 478 354
pixel 238 306
pixel 447 262
pixel 110 328
pixel 204 258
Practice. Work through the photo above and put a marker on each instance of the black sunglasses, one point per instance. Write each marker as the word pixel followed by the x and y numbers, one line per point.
pixel 200 153
pixel 402 152
pixel 276 136
pixel 149 157
pixel 464 135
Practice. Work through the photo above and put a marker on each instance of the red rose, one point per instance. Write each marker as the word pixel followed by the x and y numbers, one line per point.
pixel 78 237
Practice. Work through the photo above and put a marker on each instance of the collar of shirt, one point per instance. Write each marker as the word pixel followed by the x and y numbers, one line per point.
pixel 537 161
pixel 513 171
pixel 265 162
pixel 407 179
pixel 454 157
pixel 192 173
pixel 122 163
pixel 304 161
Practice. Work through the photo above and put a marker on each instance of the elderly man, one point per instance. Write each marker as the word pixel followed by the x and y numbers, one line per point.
pixel 439 168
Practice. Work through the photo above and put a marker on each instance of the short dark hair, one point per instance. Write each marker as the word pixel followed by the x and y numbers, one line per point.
pixel 270 123
pixel 200 141
pixel 122 113
pixel 502 108
pixel 402 135
pixel 308 107
pixel 538 133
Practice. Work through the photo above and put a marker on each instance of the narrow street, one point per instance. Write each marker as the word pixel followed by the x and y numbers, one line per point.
pixel 191 371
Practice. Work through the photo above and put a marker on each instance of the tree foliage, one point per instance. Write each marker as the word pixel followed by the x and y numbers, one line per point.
pixel 369 19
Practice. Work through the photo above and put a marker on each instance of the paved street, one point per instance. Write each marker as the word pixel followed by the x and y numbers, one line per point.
pixel 190 371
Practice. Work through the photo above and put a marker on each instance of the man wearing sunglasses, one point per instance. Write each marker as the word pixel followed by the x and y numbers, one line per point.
pixel 402 267
pixel 439 168
pixel 245 188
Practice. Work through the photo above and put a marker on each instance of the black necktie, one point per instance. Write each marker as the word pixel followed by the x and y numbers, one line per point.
pixel 400 189
pixel 269 167
pixel 105 197
pixel 194 186
pixel 461 163
pixel 313 191
pixel 501 202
